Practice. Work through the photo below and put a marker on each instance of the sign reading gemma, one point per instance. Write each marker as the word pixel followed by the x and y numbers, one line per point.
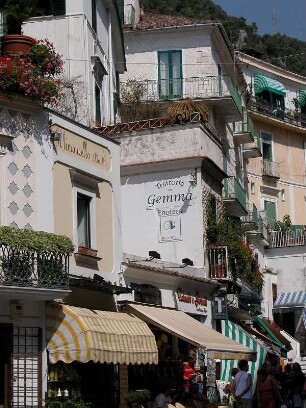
pixel 168 193
pixel 219 308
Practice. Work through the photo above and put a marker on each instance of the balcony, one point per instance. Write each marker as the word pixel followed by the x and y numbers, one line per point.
pixel 270 169
pixel 281 239
pixel 234 198
pixel 218 262
pixel 214 90
pixel 283 114
pixel 252 150
pixel 243 132
pixel 261 233
pixel 127 15
pixel 250 222
pixel 39 260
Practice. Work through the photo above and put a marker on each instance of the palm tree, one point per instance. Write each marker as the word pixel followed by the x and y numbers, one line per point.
pixel 181 111
pixel 16 12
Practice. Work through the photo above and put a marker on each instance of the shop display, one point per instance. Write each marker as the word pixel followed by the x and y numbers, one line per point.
pixel 63 381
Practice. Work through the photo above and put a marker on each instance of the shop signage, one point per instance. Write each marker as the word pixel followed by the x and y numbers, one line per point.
pixel 81 148
pixel 163 195
pixel 219 308
pixel 191 304
pixel 170 228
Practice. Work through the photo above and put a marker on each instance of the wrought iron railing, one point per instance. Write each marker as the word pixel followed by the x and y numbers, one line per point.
pixel 245 126
pixel 233 189
pixel 270 168
pixel 181 88
pixel 127 15
pixel 218 262
pixel 252 216
pixel 283 114
pixel 20 267
pixel 280 239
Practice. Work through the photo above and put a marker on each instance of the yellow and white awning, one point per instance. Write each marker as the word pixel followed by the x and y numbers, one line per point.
pixel 78 334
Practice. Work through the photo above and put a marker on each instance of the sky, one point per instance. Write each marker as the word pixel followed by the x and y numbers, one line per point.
pixel 289 15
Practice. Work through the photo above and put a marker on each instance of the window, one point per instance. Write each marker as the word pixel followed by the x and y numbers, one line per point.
pixel 170 74
pixel 83 219
pixel 98 105
pixel 266 140
pixel 270 208
pixel 252 187
pixel 52 7
pixel 94 15
pixel 274 292
pixel 84 216
pixel 146 294
pixel 283 195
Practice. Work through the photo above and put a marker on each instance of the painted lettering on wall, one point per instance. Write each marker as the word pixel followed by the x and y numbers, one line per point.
pixel 85 149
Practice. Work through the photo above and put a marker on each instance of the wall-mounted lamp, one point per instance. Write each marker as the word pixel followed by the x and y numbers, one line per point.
pixel 154 255
pixel 56 136
pixel 193 178
pixel 186 262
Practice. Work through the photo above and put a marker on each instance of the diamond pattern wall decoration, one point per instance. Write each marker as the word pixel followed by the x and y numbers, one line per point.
pixel 27 190
pixel 13 207
pixel 13 188
pixel 27 209
pixel 13 224
pixel 27 171
pixel 26 152
pixel 28 226
pixel 13 168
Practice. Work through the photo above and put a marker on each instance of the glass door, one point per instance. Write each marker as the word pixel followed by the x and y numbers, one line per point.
pixel 170 82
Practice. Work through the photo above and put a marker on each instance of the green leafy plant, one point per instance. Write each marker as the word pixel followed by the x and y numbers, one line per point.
pixel 136 398
pixel 17 11
pixel 67 403
pixel 39 241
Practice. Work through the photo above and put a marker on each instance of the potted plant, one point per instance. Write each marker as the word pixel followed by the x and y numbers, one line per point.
pixel 15 12
pixel 83 250
pixel 138 398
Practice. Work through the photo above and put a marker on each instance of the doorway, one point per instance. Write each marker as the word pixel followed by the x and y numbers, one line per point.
pixel 6 336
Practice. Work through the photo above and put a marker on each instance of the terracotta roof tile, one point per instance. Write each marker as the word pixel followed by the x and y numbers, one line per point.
pixel 150 20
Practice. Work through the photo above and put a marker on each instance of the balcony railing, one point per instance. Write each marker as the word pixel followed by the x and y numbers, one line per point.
pixel 20 267
pixel 283 114
pixel 181 88
pixel 270 168
pixel 127 15
pixel 252 217
pixel 218 262
pixel 280 239
pixel 234 190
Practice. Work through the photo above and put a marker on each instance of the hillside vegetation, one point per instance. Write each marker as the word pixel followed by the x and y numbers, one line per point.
pixel 278 49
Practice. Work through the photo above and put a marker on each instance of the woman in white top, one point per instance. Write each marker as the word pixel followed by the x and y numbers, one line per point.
pixel 243 390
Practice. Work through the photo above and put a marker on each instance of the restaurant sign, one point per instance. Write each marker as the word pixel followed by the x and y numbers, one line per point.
pixel 191 304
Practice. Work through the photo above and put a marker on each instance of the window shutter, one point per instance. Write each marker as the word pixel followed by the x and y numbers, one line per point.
pixel 270 208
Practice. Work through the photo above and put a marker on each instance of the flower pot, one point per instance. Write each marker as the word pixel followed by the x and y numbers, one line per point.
pixel 87 251
pixel 16 44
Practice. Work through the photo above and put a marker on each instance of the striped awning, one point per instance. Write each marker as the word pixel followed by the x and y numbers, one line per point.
pixel 192 331
pixel 78 334
pixel 302 97
pixel 289 300
pixel 263 83
pixel 235 332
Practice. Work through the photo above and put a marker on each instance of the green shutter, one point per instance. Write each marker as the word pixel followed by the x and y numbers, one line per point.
pixel 270 209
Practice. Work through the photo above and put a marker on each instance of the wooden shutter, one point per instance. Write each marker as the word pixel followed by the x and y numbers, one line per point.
pixel 270 208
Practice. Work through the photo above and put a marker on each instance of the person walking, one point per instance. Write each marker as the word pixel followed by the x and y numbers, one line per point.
pixel 267 391
pixel 230 389
pixel 243 390
pixel 297 382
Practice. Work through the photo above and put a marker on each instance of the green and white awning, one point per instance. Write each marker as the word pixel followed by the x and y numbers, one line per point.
pixel 236 333
pixel 263 83
pixel 302 97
